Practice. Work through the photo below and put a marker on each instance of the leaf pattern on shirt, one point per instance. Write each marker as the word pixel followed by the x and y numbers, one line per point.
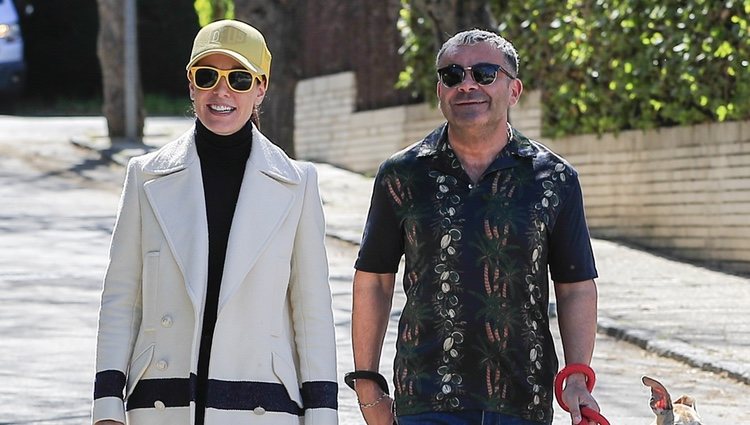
pixel 473 333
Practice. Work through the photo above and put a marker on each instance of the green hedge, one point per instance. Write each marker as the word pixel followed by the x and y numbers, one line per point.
pixel 609 65
pixel 213 10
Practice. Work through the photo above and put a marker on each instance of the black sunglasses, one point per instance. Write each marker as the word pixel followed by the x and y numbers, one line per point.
pixel 207 77
pixel 483 73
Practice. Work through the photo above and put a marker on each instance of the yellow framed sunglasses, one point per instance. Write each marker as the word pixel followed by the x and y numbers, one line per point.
pixel 207 77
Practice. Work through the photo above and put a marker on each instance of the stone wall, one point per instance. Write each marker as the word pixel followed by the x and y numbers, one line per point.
pixel 360 36
pixel 684 191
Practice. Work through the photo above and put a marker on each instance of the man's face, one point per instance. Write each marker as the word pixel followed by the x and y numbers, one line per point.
pixel 469 104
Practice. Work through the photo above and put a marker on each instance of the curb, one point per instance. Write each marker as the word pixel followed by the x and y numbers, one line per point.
pixel 674 349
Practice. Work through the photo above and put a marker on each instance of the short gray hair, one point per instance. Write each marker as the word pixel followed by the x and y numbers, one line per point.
pixel 474 36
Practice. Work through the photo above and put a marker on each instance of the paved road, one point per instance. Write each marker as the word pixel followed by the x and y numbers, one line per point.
pixel 56 212
pixel 53 240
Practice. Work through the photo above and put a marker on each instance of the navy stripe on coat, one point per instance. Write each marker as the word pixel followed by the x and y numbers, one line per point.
pixel 320 394
pixel 109 383
pixel 232 395
pixel 173 392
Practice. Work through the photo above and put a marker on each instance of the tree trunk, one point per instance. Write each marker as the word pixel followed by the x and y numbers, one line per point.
pixel 110 50
pixel 278 20
pixel 219 10
pixel 449 17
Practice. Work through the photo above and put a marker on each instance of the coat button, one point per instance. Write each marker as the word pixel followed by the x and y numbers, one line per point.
pixel 259 411
pixel 166 321
pixel 162 365
pixel 159 405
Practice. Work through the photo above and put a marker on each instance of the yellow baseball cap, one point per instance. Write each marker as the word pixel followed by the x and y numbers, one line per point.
pixel 236 39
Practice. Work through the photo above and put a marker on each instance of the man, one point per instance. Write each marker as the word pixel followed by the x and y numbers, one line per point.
pixel 480 213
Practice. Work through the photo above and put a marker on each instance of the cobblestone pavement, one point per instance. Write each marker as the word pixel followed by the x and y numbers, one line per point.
pixel 56 213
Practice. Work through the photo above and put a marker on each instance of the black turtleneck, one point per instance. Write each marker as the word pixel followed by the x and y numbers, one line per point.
pixel 222 160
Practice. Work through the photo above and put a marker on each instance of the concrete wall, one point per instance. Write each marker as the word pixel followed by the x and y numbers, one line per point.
pixel 328 129
pixel 684 191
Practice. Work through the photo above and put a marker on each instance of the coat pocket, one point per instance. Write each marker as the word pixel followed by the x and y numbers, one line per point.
pixel 286 373
pixel 138 368
pixel 150 290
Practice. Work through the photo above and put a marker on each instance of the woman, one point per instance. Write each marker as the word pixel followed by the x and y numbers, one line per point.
pixel 216 307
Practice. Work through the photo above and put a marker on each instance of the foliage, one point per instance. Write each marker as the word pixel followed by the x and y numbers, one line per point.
pixel 609 65
pixel 418 51
pixel 213 10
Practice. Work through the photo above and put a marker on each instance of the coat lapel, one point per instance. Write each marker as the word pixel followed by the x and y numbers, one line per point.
pixel 177 199
pixel 265 198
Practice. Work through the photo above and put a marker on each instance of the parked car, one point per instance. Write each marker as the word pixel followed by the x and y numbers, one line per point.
pixel 12 64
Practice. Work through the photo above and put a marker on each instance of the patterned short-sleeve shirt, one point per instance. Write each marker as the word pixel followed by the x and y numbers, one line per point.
pixel 474 333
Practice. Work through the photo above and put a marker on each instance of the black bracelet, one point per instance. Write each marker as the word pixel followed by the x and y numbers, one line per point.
pixel 350 377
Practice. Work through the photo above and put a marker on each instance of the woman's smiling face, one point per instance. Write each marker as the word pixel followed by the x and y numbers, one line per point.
pixel 221 109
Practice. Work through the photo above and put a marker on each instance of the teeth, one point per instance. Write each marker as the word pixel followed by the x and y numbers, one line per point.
pixel 221 108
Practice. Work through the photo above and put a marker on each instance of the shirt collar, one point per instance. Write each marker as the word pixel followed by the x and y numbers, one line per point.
pixel 437 142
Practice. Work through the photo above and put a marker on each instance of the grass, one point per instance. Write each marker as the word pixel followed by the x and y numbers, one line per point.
pixel 154 104
pixel 160 105
pixel 56 106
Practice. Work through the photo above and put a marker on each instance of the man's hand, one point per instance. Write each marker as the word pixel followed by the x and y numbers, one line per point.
pixel 380 414
pixel 375 412
pixel 371 306
pixel 576 307
pixel 576 395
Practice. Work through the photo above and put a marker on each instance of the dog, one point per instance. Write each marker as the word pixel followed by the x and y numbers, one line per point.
pixel 682 412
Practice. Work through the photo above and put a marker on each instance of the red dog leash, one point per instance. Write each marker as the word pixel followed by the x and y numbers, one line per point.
pixel 587 413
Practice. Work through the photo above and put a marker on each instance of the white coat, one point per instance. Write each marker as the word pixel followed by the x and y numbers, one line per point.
pixel 273 353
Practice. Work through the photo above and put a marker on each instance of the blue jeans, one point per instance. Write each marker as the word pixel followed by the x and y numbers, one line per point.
pixel 468 417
